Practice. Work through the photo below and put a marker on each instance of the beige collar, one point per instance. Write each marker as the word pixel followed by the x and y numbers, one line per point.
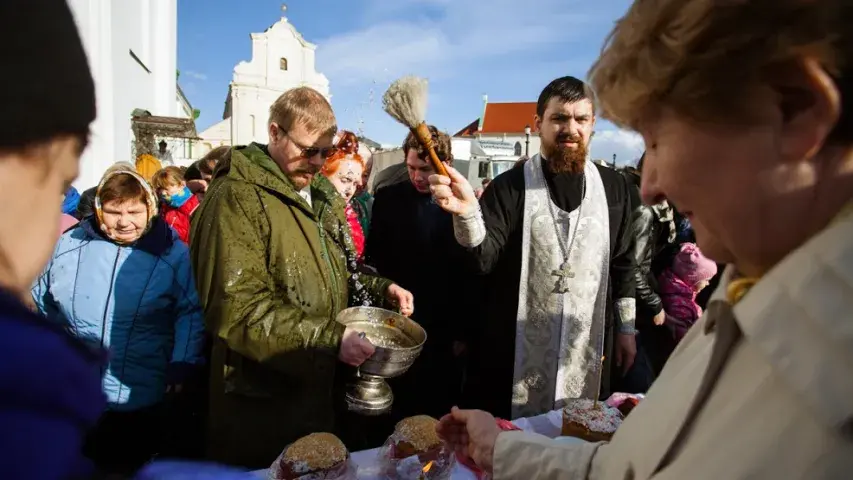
pixel 800 315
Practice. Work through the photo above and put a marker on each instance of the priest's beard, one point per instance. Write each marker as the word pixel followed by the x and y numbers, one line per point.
pixel 563 159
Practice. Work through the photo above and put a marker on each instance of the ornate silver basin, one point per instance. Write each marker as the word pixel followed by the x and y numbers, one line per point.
pixel 398 341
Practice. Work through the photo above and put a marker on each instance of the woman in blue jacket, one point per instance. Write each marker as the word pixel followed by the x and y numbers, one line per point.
pixel 122 280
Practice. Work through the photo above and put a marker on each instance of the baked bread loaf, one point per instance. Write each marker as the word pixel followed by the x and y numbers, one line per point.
pixel 414 452
pixel 590 421
pixel 416 436
pixel 321 455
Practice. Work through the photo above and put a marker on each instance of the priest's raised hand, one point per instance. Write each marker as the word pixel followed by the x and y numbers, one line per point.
pixel 454 194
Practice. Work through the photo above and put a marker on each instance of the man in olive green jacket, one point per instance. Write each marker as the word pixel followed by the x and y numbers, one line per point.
pixel 272 257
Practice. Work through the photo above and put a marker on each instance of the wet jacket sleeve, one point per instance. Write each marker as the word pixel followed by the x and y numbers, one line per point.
pixel 241 308
pixel 522 455
pixel 623 267
pixel 189 322
pixel 648 301
pixel 374 285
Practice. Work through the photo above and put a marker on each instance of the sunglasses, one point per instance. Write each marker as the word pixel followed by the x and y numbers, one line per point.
pixel 309 152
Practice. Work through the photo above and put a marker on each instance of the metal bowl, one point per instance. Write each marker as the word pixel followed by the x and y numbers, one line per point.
pixel 398 339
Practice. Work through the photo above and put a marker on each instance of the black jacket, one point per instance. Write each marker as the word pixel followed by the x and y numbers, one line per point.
pixel 653 229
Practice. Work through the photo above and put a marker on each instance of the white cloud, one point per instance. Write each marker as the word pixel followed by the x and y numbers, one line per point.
pixel 195 75
pixel 445 39
pixel 627 146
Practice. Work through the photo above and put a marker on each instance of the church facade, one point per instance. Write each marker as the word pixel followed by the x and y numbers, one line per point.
pixel 281 60
pixel 132 53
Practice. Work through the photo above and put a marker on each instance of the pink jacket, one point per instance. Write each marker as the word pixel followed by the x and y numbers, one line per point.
pixel 679 302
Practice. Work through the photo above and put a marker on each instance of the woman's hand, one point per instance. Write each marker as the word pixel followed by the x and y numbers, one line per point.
pixel 401 298
pixel 472 433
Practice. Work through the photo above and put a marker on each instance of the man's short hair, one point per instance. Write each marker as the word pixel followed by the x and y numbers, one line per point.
pixel 567 89
pixel 303 106
pixel 440 142
pixel 701 58
pixel 208 162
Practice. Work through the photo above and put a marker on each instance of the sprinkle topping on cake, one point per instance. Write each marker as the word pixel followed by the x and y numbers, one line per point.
pixel 419 431
pixel 317 451
pixel 601 418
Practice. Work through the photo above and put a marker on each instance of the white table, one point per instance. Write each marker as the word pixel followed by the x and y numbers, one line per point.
pixel 548 424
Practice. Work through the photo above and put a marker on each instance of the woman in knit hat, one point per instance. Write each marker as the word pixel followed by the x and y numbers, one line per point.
pixel 50 385
pixel 678 286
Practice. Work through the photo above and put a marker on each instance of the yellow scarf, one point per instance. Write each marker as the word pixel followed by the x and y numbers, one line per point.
pixel 738 288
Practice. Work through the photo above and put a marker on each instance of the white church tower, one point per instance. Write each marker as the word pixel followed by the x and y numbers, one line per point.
pixel 281 60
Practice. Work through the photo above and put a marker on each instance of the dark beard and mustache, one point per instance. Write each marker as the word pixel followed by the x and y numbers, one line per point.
pixel 566 160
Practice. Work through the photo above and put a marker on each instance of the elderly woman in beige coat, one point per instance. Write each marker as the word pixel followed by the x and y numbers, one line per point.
pixel 747 114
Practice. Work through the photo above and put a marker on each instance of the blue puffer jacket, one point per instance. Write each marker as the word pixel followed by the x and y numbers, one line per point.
pixel 138 301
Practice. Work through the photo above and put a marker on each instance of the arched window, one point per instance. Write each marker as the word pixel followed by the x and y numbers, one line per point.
pixel 252 121
pixel 282 64
pixel 518 148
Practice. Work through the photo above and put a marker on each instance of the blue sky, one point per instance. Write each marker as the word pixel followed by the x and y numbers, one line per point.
pixel 506 49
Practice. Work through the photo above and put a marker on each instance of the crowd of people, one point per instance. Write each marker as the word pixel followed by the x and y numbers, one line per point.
pixel 191 312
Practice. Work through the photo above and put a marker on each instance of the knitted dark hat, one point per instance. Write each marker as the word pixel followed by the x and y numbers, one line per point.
pixel 46 88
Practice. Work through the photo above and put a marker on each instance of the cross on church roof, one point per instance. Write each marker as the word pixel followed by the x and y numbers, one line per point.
pixel 283 7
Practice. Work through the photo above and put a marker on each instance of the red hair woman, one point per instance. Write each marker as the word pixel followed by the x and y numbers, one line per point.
pixel 344 170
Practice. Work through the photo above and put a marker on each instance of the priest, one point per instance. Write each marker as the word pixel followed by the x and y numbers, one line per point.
pixel 553 239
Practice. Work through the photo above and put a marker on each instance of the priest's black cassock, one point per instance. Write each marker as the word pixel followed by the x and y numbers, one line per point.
pixel 490 376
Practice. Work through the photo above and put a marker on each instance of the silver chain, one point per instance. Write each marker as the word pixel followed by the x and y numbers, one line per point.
pixel 566 247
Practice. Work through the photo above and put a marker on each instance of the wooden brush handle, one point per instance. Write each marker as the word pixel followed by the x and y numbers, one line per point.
pixel 424 137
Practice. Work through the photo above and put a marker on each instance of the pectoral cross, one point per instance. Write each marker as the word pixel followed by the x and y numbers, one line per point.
pixel 564 273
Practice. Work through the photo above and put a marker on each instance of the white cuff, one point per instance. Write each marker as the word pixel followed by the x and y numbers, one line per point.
pixel 469 228
pixel 626 315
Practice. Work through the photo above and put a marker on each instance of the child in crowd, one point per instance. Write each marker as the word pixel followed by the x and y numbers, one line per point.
pixel 178 203
pixel 689 274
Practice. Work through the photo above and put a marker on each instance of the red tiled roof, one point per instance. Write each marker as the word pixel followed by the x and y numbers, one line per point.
pixel 469 129
pixel 509 117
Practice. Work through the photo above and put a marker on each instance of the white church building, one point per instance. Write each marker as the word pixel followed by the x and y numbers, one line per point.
pixel 132 51
pixel 281 60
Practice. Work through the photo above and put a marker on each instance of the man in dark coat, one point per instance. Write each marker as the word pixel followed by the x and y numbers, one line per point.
pixel 412 244
pixel 555 235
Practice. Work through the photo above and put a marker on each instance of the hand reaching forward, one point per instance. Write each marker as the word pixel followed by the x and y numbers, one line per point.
pixel 454 194
pixel 197 186
pixel 354 349
pixel 472 433
pixel 402 298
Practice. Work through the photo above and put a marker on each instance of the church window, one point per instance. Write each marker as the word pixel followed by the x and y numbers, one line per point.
pixel 283 64
pixel 252 121
pixel 518 148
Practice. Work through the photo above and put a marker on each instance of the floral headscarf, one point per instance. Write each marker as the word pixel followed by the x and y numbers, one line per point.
pixel 150 198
